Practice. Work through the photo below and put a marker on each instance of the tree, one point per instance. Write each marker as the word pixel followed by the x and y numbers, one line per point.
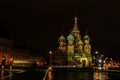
pixel 59 57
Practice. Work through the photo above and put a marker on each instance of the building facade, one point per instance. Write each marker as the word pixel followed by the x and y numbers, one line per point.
pixel 9 52
pixel 78 49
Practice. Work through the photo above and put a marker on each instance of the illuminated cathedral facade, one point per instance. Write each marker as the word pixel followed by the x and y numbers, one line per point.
pixel 78 49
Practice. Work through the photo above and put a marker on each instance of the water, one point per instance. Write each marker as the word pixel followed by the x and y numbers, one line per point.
pixel 57 74
pixel 79 75
pixel 83 74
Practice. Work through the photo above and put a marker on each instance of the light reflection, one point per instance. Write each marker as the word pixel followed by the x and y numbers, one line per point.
pixel 10 73
pixel 50 73
pixel 99 75
pixel 2 73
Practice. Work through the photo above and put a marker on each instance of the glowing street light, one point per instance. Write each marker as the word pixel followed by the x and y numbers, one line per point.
pixel 3 60
pixel 96 52
pixel 102 55
pixel 50 52
pixel 11 61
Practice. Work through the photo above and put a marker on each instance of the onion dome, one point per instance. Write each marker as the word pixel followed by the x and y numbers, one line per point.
pixel 70 37
pixel 86 37
pixel 80 42
pixel 62 38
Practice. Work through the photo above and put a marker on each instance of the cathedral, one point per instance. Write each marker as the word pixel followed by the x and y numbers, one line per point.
pixel 78 49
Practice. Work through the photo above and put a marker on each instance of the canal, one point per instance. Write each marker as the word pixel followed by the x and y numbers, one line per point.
pixel 58 74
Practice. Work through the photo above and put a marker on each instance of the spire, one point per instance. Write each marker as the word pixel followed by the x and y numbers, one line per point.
pixel 70 31
pixel 75 20
pixel 70 37
pixel 86 35
pixel 75 28
pixel 86 31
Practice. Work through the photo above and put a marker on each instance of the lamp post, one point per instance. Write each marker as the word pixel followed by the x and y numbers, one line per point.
pixel 95 58
pixel 10 72
pixel 50 52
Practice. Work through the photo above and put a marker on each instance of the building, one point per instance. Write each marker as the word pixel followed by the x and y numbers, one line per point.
pixel 9 52
pixel 78 49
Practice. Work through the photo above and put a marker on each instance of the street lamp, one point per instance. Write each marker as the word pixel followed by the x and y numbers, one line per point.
pixel 3 60
pixel 95 58
pixel 11 61
pixel 50 52
pixel 96 52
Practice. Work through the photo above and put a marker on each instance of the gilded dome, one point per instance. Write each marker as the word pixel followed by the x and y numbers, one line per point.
pixel 62 38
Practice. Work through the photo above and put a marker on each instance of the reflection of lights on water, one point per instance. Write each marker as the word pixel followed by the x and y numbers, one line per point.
pixel 2 73
pixel 18 70
pixel 100 76
pixel 10 70
pixel 50 76
pixel 10 73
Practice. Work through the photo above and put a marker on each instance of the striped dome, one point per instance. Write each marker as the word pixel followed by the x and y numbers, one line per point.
pixel 70 37
pixel 86 37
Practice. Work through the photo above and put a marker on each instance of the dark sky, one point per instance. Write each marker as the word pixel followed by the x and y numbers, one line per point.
pixel 39 23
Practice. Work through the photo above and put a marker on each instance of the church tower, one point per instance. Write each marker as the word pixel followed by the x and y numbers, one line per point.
pixel 70 48
pixel 80 47
pixel 76 34
pixel 75 30
pixel 87 48
pixel 62 42
pixel 77 49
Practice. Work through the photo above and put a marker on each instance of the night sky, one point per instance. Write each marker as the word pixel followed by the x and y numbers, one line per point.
pixel 39 23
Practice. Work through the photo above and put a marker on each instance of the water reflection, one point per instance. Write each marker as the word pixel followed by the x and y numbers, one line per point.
pixel 77 75
pixel 99 75
pixel 50 73
pixel 10 73
pixel 62 74
pixel 5 75
pixel 2 73
pixel 65 74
